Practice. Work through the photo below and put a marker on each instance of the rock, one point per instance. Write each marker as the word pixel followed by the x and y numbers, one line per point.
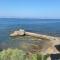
pixel 21 32
pixel 15 33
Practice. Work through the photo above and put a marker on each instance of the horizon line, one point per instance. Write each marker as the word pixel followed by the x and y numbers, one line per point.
pixel 25 18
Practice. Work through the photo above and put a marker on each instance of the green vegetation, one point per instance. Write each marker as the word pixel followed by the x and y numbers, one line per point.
pixel 16 54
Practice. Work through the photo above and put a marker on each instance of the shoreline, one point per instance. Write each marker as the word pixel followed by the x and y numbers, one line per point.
pixel 22 32
pixel 53 40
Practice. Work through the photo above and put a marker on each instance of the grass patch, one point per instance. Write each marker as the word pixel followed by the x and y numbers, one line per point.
pixel 16 54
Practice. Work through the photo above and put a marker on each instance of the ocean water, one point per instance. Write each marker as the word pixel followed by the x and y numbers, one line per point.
pixel 42 26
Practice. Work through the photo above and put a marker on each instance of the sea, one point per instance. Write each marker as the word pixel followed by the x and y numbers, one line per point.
pixel 49 27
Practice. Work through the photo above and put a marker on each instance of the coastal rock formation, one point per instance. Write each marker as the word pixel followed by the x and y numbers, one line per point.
pixel 52 40
pixel 21 32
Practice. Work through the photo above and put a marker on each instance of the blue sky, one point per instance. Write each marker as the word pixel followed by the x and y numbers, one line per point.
pixel 30 8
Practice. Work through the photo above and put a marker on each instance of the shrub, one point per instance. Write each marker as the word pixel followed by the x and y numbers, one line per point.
pixel 16 54
pixel 12 54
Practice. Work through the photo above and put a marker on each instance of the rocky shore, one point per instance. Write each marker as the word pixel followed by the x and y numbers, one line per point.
pixel 53 40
